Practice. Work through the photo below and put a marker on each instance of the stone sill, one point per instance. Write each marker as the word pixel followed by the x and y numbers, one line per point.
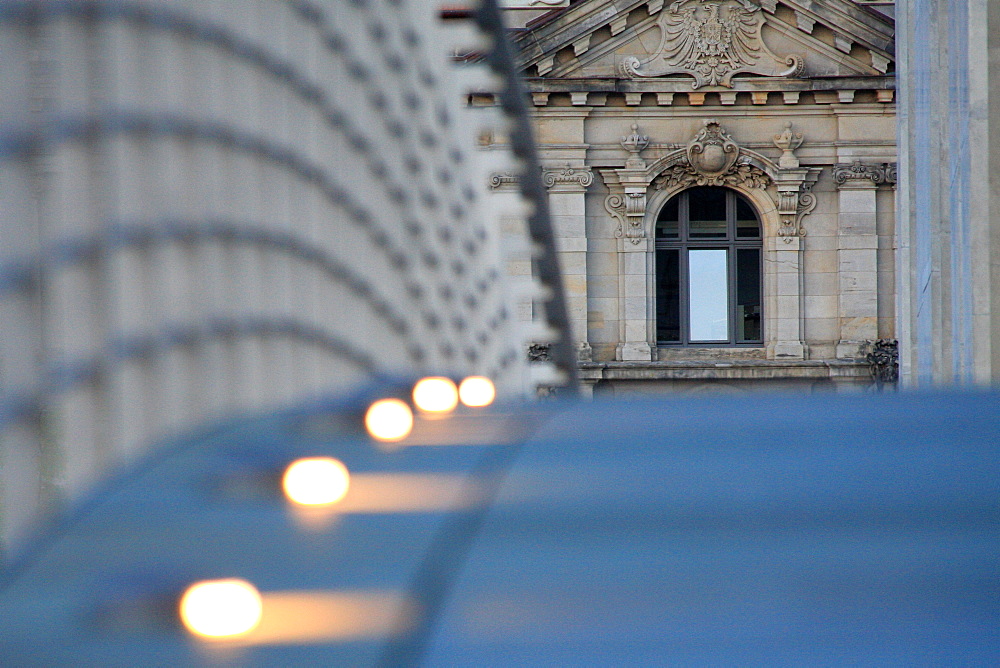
pixel 710 354
pixel 727 370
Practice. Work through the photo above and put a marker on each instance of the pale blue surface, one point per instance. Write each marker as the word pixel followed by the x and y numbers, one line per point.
pixel 764 530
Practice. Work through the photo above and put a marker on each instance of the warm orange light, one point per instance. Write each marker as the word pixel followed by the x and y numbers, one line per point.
pixel 477 391
pixel 221 608
pixel 389 420
pixel 435 394
pixel 316 481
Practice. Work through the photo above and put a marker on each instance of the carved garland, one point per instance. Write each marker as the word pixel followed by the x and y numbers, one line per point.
pixel 686 176
pixel 712 158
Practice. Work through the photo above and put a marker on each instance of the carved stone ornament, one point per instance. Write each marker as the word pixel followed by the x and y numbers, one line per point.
pixel 628 210
pixel 713 159
pixel 712 152
pixel 498 180
pixel 712 41
pixel 634 143
pixel 568 175
pixel 856 171
pixel 788 141
pixel 795 201
pixel 891 170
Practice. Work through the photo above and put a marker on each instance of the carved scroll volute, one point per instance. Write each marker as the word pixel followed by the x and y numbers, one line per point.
pixel 628 209
pixel 861 171
pixel 712 152
pixel 795 201
pixel 567 177
pixel 635 210
pixel 614 204
pixel 788 207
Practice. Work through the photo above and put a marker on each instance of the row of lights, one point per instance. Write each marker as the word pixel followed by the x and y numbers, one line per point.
pixel 392 420
pixel 233 607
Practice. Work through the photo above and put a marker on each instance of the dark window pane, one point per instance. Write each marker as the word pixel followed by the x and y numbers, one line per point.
pixel 707 213
pixel 667 223
pixel 747 226
pixel 748 296
pixel 668 294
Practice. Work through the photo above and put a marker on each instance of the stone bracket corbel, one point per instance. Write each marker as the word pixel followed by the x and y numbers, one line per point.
pixel 626 203
pixel 795 200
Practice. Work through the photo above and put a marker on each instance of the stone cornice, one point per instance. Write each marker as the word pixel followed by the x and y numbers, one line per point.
pixel 590 93
pixel 843 17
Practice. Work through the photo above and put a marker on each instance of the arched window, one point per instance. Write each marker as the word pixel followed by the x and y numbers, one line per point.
pixel 708 269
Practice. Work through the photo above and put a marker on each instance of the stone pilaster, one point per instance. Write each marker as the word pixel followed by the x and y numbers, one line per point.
pixel 785 298
pixel 627 205
pixel 795 200
pixel 567 191
pixel 507 202
pixel 635 269
pixel 857 252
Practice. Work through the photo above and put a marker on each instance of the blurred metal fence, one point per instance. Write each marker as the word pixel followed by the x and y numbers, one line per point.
pixel 209 207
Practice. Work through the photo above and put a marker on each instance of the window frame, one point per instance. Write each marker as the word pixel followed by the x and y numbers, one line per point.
pixel 684 243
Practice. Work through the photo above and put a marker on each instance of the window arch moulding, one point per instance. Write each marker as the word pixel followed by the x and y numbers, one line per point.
pixel 780 192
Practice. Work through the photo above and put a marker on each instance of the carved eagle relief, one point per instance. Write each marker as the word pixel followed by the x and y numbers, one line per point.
pixel 712 41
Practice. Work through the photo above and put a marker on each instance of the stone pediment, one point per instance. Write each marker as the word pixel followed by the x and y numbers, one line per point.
pixel 708 43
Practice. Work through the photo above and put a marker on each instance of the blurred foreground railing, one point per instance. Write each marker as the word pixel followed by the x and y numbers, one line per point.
pixel 215 207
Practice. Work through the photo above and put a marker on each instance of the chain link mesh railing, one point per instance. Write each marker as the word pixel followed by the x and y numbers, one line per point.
pixel 212 207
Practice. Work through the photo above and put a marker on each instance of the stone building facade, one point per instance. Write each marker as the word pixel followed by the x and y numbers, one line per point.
pixel 665 128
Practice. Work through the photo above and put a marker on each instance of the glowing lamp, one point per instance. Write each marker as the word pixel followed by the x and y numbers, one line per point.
pixel 221 608
pixel 477 391
pixel 316 481
pixel 389 420
pixel 435 394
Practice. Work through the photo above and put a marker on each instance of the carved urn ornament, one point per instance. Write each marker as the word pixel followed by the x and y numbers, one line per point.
pixel 634 143
pixel 712 41
pixel 788 141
